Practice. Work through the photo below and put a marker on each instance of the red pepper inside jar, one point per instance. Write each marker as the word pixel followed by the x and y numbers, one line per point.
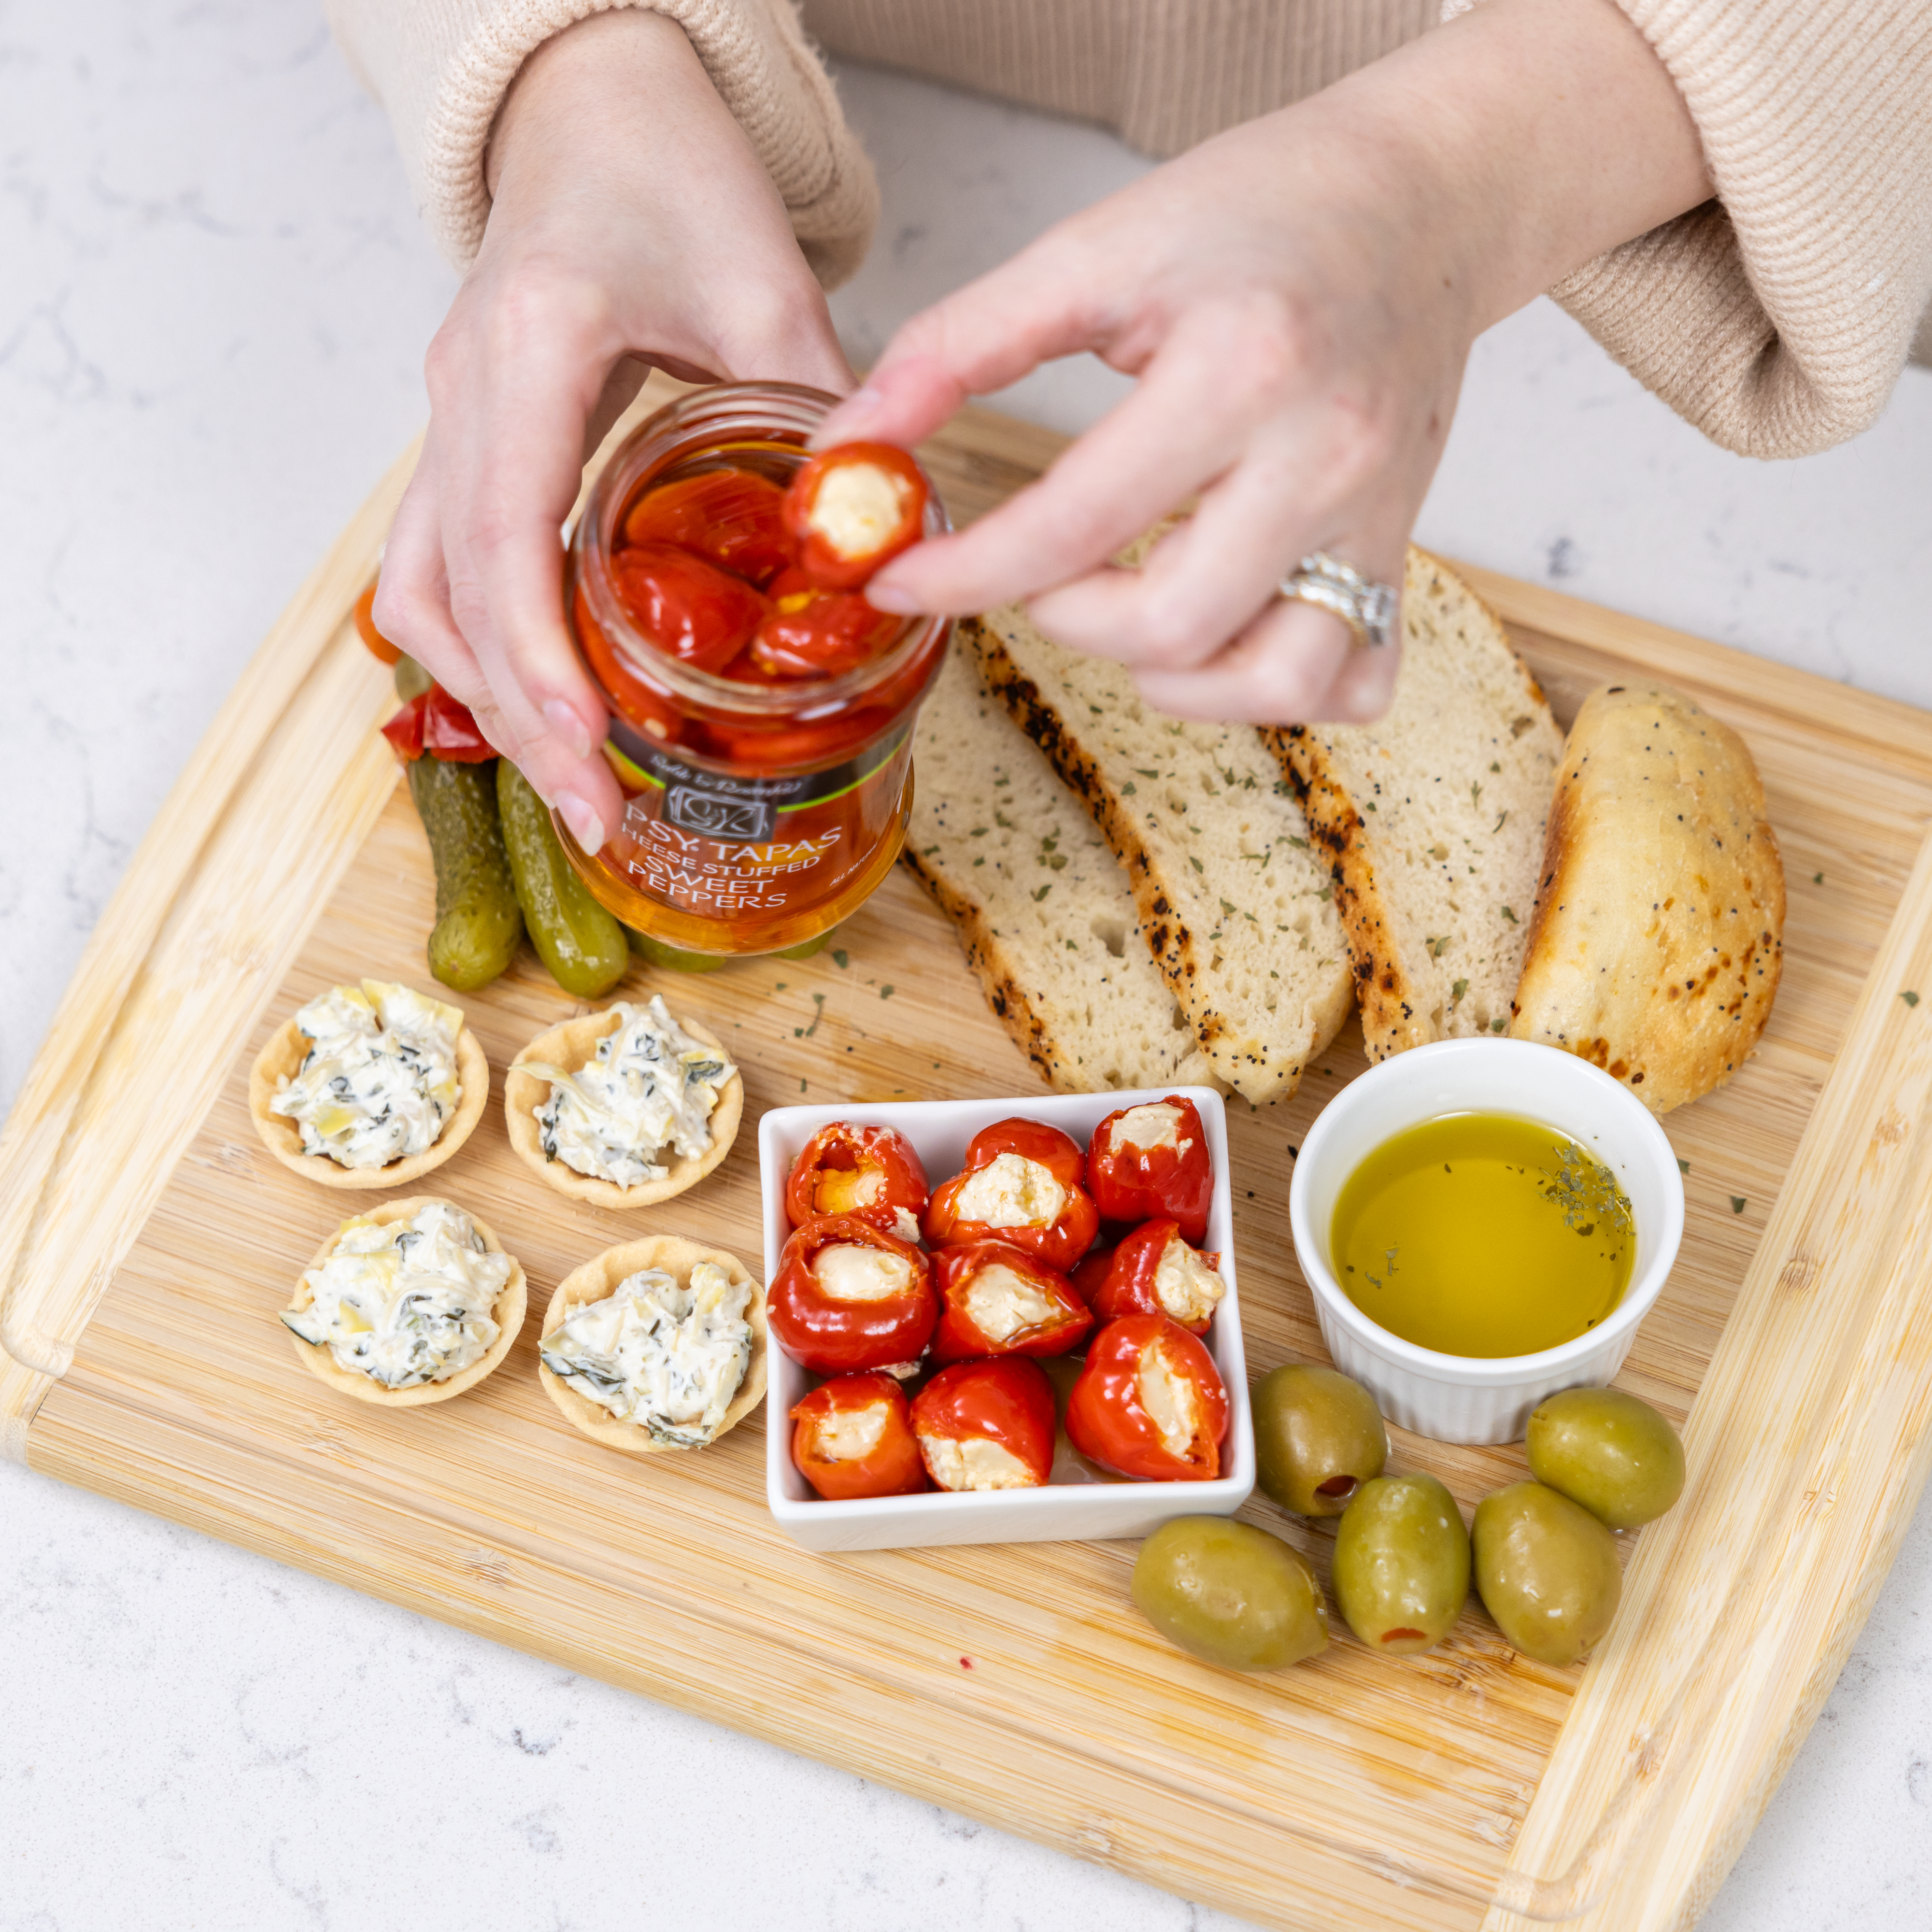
pixel 761 719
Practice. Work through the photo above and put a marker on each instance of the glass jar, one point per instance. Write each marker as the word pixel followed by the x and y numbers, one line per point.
pixel 758 813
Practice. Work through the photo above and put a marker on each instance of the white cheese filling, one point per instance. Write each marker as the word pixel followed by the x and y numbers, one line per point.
pixel 651 1088
pixel 850 1435
pixel 1172 1402
pixel 846 1272
pixel 1140 1129
pixel 1010 1192
pixel 405 1303
pixel 976 1463
pixel 857 507
pixel 668 1358
pixel 379 1079
pixel 1001 1304
pixel 1187 1288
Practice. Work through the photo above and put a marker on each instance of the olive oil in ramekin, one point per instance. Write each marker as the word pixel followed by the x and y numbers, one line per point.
pixel 1483 1234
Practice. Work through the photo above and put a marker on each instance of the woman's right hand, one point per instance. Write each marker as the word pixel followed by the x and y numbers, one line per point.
pixel 631 225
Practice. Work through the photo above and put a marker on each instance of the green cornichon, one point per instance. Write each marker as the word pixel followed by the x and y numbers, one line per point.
pixel 412 680
pixel 477 925
pixel 582 944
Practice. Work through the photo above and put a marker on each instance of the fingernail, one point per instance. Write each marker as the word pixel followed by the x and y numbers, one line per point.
pixel 562 719
pixel 585 827
pixel 889 598
pixel 859 404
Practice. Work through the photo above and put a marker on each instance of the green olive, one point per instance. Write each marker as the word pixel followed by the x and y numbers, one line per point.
pixel 1230 1594
pixel 1318 1437
pixel 674 959
pixel 1606 1449
pixel 1402 1563
pixel 1546 1570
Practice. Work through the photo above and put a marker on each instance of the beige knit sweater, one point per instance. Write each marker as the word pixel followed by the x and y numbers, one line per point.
pixel 1775 318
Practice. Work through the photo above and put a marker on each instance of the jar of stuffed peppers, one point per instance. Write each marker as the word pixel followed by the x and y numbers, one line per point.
pixel 761 711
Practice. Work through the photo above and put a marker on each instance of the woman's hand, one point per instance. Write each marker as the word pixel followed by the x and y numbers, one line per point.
pixel 1297 298
pixel 632 224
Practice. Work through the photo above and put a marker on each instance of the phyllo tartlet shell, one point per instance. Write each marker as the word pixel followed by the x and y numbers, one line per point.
pixel 287 1048
pixel 600 1277
pixel 573 1044
pixel 507 1311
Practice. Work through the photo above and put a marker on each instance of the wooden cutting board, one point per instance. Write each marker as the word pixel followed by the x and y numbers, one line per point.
pixel 146 1240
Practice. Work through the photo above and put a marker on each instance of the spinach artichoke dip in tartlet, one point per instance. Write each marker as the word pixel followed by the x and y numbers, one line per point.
pixel 656 1344
pixel 624 1107
pixel 369 1086
pixel 411 1303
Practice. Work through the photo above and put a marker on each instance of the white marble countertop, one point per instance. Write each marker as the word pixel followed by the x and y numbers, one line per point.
pixel 211 321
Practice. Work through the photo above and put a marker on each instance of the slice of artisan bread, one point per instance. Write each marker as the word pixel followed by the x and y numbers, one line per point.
pixel 1659 930
pixel 1232 903
pixel 1433 817
pixel 1041 903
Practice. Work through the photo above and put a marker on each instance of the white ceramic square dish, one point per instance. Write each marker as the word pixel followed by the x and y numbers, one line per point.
pixel 939 1130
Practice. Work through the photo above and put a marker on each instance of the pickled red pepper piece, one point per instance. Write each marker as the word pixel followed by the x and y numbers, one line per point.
pixel 811 633
pixel 687 608
pixel 433 722
pixel 731 518
pixel 852 508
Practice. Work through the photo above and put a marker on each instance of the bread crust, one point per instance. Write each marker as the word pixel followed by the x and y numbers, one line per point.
pixel 573 1044
pixel 600 1277
pixel 287 1047
pixel 1246 1062
pixel 1657 943
pixel 507 1311
pixel 1399 993
pixel 1048 998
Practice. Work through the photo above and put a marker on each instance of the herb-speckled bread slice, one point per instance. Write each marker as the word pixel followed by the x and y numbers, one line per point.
pixel 1232 902
pixel 1041 903
pixel 1434 818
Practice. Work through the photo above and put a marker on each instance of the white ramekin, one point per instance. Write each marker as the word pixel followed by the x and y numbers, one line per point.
pixel 1472 1399
pixel 939 1130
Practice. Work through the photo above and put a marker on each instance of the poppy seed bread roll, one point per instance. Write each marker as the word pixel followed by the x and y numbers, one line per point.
pixel 1654 949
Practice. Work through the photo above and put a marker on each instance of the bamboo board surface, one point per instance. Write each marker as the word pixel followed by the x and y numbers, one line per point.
pixel 146 1239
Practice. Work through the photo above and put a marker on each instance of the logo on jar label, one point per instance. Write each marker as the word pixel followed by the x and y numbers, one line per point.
pixel 752 820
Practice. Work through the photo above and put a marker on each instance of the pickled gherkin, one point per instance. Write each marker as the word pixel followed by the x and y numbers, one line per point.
pixel 582 944
pixel 478 925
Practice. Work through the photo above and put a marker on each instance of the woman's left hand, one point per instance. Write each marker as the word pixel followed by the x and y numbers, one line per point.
pixel 1297 298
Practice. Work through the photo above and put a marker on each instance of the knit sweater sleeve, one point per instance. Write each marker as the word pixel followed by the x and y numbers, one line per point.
pixel 1777 317
pixel 441 67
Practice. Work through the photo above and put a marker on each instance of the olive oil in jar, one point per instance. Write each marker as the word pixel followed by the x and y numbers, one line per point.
pixel 1483 1234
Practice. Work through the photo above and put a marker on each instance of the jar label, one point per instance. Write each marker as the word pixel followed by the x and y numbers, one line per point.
pixel 741 810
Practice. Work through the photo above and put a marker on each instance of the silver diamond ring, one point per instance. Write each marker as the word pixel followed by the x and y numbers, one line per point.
pixel 1368 609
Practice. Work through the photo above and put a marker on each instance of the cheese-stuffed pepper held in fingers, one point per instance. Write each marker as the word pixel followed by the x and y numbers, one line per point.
pixel 849 1296
pixel 1021 1185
